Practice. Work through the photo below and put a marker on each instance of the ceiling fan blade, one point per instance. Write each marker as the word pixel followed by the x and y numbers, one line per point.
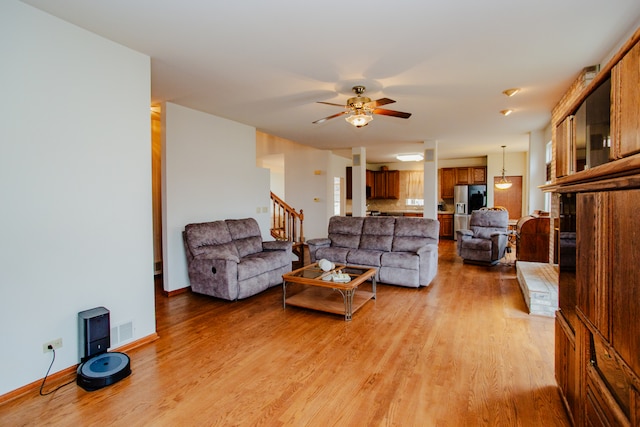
pixel 331 103
pixel 330 117
pixel 379 102
pixel 393 113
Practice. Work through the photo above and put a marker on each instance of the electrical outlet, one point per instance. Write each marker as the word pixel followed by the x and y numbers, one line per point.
pixel 56 344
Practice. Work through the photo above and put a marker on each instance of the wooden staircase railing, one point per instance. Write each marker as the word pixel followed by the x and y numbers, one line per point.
pixel 286 223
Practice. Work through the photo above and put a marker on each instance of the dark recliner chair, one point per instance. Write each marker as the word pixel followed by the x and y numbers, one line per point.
pixel 486 240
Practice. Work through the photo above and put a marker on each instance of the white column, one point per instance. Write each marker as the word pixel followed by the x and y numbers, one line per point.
pixel 430 179
pixel 359 181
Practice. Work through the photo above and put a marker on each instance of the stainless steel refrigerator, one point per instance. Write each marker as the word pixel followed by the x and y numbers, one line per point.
pixel 466 199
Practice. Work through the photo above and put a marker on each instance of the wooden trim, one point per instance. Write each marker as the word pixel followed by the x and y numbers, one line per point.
pixel 66 374
pixel 620 168
pixel 175 292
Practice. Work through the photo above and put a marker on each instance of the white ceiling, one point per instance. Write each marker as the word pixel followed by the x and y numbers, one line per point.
pixel 266 63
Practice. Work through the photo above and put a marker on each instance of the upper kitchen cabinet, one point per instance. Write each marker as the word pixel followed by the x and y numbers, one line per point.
pixel 386 185
pixel 478 175
pixel 447 181
pixel 449 177
pixel 383 184
pixel 462 176
pixel 471 175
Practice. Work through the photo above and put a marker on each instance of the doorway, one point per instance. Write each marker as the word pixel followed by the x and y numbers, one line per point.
pixel 511 198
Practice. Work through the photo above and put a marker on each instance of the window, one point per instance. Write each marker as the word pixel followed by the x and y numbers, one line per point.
pixel 415 188
pixel 548 158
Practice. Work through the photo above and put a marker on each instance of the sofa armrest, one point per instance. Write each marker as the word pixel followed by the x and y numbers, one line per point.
pixel 315 244
pixel 426 249
pixel 498 244
pixel 277 245
pixel 464 234
pixel 217 277
pixel 322 242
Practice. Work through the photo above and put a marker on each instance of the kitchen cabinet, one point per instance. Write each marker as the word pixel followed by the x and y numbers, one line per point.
pixel 446 225
pixel 450 177
pixel 462 176
pixel 478 175
pixel 471 175
pixel 386 185
pixel 447 182
pixel 380 184
pixel 349 182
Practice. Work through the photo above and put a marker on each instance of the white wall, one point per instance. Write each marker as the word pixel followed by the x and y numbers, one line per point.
pixel 537 170
pixel 75 189
pixel 209 173
pixel 302 184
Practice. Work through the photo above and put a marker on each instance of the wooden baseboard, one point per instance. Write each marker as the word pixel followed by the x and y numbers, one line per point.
pixel 175 292
pixel 67 374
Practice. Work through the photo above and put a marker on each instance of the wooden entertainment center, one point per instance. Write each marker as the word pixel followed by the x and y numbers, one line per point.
pixel 596 137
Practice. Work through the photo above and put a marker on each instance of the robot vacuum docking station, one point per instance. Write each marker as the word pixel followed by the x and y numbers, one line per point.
pixel 98 368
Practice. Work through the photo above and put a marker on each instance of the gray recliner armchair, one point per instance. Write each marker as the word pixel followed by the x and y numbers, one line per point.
pixel 486 240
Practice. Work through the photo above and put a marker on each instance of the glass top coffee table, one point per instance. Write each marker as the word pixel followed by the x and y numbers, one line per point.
pixel 324 292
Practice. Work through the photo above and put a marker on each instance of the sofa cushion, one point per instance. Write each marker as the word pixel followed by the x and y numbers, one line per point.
pixel 411 233
pixel 250 267
pixel 206 238
pixel 477 244
pixel 345 231
pixel 377 233
pixel 364 257
pixel 409 261
pixel 246 235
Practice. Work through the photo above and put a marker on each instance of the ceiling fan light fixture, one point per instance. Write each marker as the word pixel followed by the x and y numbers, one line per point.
pixel 503 183
pixel 511 92
pixel 506 112
pixel 410 157
pixel 359 119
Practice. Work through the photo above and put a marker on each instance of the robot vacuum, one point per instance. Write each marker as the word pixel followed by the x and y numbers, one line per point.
pixel 103 370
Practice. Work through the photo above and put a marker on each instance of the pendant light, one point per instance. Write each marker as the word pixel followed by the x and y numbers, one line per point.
pixel 503 184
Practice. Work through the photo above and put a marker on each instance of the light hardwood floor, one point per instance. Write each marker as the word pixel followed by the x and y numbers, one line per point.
pixel 462 352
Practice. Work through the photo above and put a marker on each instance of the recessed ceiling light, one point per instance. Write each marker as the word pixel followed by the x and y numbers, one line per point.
pixel 506 112
pixel 512 91
pixel 409 157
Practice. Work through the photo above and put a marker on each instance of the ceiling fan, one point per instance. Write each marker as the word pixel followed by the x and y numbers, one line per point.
pixel 361 109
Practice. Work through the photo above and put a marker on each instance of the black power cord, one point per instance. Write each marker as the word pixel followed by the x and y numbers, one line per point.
pixel 50 347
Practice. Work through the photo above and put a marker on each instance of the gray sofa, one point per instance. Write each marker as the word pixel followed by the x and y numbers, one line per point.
pixel 403 249
pixel 228 259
